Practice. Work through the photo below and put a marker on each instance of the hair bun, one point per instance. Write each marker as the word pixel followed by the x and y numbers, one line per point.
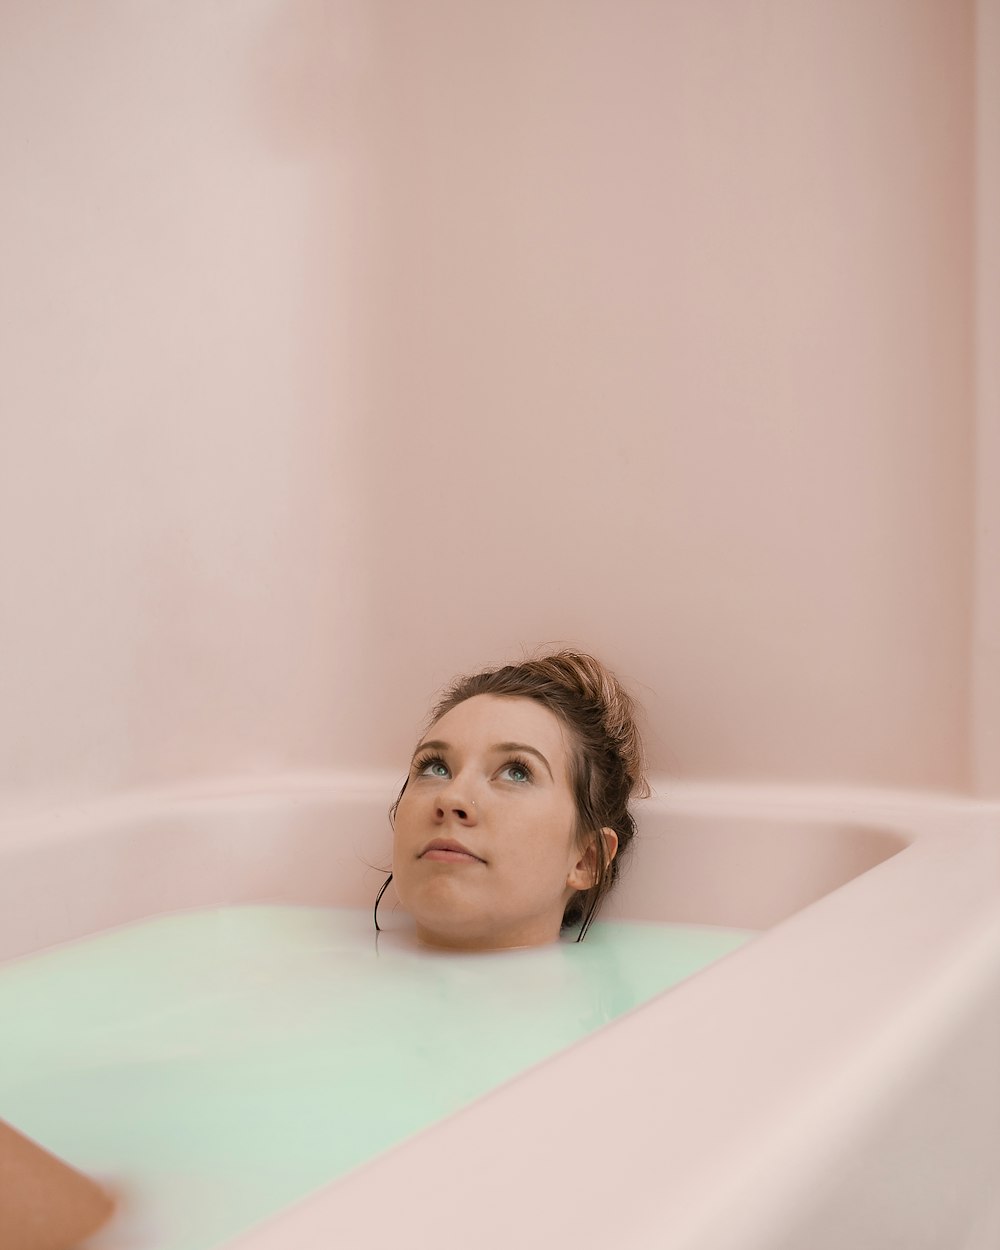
pixel 600 686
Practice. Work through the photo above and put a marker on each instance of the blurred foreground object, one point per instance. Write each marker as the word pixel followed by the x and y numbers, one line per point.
pixel 44 1203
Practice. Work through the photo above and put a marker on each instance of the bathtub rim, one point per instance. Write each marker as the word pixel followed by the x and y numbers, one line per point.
pixel 221 804
pixel 919 811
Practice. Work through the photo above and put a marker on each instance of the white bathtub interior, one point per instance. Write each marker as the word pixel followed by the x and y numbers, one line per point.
pixel 767 1077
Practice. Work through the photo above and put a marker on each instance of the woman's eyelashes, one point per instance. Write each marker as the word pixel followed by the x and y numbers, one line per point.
pixel 515 769
pixel 518 771
pixel 431 766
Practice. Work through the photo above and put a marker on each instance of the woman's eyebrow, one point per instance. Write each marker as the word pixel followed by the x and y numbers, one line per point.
pixel 434 745
pixel 523 746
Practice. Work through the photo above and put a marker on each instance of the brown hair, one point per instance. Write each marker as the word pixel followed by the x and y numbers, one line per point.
pixel 608 766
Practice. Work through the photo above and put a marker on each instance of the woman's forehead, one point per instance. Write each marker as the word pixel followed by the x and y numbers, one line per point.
pixel 488 719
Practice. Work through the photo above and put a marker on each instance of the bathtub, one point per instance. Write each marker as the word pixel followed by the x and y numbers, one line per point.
pixel 834 1083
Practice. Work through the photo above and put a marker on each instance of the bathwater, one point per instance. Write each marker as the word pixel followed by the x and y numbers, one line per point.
pixel 213 1066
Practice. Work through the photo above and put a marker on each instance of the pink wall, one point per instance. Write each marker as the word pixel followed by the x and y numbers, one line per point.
pixel 986 636
pixel 347 345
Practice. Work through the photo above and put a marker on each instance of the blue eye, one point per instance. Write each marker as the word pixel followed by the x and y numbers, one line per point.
pixel 432 766
pixel 517 771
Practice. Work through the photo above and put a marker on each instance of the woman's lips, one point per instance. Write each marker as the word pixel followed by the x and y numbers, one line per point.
pixel 451 857
pixel 450 853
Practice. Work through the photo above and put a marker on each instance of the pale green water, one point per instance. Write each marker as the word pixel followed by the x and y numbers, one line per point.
pixel 220 1064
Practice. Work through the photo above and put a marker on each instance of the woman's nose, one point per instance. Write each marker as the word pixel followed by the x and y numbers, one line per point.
pixel 457 802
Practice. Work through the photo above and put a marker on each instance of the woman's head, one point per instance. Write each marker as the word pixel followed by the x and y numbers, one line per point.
pixel 514 816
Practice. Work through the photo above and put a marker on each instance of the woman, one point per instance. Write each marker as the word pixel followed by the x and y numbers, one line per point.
pixel 513 820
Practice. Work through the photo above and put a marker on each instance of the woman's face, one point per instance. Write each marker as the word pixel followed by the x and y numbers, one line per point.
pixel 484 851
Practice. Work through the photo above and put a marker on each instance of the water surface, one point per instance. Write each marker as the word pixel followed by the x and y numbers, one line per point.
pixel 219 1064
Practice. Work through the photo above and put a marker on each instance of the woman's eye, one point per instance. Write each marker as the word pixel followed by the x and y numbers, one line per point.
pixel 433 768
pixel 516 772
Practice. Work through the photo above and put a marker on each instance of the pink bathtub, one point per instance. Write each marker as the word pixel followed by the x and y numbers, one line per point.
pixel 835 1083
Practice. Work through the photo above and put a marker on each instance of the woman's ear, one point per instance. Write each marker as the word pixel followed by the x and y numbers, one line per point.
pixel 583 874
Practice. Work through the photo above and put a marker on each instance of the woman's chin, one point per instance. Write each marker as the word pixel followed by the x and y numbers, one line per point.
pixel 451 916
